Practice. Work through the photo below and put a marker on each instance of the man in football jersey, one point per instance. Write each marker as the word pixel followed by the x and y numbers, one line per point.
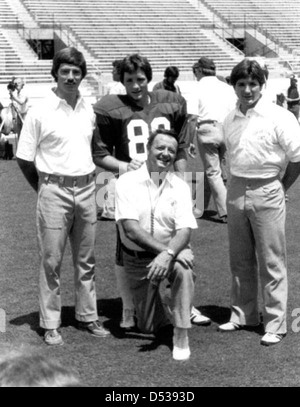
pixel 124 123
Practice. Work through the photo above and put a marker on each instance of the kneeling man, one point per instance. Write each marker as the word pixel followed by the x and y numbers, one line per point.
pixel 155 218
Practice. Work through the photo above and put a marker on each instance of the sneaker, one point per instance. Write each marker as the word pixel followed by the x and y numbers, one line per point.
pixel 128 321
pixel 181 350
pixel 197 212
pixel 95 328
pixel 198 319
pixel 271 339
pixel 52 337
pixel 223 219
pixel 229 327
pixel 181 354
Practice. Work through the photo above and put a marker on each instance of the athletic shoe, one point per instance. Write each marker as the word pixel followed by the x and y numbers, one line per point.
pixel 223 219
pixel 181 354
pixel 181 350
pixel 233 326
pixel 128 321
pixel 271 339
pixel 197 318
pixel 95 328
pixel 53 338
pixel 197 212
pixel 229 327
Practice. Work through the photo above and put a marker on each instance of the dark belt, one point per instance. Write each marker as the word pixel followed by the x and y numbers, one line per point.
pixel 208 121
pixel 138 254
pixel 67 181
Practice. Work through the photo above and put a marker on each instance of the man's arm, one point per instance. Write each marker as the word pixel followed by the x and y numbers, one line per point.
pixel 29 170
pixel 181 162
pixel 291 174
pixel 159 267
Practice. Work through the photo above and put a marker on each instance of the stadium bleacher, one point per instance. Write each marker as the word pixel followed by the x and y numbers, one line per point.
pixel 167 32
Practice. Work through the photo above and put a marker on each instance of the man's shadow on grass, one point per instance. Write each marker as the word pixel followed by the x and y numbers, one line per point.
pixel 111 311
pixel 108 309
pixel 210 216
pixel 221 315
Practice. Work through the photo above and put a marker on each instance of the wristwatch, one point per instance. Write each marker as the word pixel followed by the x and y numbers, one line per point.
pixel 170 252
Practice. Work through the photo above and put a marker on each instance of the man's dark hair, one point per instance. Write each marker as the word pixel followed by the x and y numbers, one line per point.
pixel 248 68
pixel 117 64
pixel 172 71
pixel 207 66
pixel 153 134
pixel 70 56
pixel 132 63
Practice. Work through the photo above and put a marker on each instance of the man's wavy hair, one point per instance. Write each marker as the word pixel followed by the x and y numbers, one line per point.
pixel 132 63
pixel 70 56
pixel 248 68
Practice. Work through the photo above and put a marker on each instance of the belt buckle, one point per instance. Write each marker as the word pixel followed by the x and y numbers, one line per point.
pixel 74 181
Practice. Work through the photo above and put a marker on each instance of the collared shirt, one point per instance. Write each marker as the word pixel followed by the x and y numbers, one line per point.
pixel 58 138
pixel 215 99
pixel 261 142
pixel 137 195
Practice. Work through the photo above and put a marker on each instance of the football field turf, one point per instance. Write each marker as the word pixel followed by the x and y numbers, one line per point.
pixel 217 359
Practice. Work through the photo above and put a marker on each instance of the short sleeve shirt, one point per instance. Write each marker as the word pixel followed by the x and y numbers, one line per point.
pixel 137 196
pixel 58 138
pixel 261 142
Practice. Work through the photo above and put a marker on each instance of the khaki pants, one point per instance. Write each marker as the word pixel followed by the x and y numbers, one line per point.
pixel 62 212
pixel 181 295
pixel 256 226
pixel 212 154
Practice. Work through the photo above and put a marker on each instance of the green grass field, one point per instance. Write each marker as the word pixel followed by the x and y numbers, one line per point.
pixel 217 359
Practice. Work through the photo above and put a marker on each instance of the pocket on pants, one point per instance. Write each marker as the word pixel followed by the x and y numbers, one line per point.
pixel 50 207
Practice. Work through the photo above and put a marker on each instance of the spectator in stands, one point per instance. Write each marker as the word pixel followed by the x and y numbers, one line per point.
pixel 54 154
pixel 19 100
pixel 155 239
pixel 293 98
pixel 116 87
pixel 260 137
pixel 20 369
pixel 215 99
pixel 123 126
pixel 168 83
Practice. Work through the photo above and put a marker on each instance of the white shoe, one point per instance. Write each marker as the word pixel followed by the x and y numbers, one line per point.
pixel 128 319
pixel 271 339
pixel 181 354
pixel 53 338
pixel 197 212
pixel 229 327
pixel 181 350
pixel 197 318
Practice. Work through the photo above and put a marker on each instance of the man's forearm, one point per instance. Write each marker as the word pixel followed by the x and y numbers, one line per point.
pixel 146 241
pixel 111 163
pixel 291 174
pixel 30 173
pixel 181 162
pixel 141 237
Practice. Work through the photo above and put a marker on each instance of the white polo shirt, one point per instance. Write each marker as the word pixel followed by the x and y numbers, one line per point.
pixel 215 99
pixel 261 142
pixel 137 195
pixel 58 138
